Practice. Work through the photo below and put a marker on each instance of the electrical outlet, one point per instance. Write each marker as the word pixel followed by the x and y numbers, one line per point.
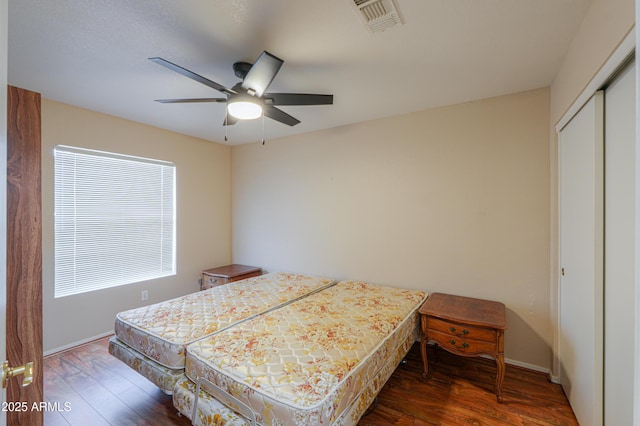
pixel 144 295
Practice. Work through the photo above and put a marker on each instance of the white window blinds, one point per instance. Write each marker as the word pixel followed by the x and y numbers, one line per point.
pixel 114 220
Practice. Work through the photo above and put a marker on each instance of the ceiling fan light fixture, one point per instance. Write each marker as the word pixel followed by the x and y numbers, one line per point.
pixel 244 107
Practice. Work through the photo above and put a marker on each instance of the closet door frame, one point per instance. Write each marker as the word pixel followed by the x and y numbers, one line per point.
pixel 617 58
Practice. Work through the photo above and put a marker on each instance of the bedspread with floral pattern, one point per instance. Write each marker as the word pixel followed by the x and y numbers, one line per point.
pixel 161 331
pixel 305 363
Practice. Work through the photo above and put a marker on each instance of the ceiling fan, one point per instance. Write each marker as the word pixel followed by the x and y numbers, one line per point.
pixel 248 99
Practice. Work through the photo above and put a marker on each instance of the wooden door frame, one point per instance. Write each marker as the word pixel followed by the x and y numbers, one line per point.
pixel 4 34
pixel 24 252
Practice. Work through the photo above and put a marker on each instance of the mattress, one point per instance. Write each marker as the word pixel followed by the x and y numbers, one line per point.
pixel 308 362
pixel 212 412
pixel 163 330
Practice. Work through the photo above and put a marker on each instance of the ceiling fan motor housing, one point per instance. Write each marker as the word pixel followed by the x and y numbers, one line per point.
pixel 240 69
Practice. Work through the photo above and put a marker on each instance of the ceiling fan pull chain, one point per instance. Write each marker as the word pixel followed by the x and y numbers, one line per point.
pixel 263 128
pixel 226 125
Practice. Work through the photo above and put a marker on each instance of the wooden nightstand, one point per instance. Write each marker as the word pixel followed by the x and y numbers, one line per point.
pixel 464 326
pixel 227 274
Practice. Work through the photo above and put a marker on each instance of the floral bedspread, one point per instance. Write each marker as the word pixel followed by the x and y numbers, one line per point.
pixel 161 331
pixel 305 363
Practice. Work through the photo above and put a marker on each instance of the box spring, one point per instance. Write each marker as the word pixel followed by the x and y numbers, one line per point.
pixel 163 377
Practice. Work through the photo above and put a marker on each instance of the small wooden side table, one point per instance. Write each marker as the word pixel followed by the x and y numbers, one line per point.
pixel 227 274
pixel 464 326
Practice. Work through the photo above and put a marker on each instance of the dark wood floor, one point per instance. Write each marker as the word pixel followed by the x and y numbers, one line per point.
pixel 101 390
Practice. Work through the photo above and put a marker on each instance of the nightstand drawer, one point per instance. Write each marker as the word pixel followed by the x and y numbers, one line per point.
pixel 458 331
pixel 461 345
pixel 208 281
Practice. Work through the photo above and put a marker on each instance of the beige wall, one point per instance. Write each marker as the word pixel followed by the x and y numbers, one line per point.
pixel 454 199
pixel 203 215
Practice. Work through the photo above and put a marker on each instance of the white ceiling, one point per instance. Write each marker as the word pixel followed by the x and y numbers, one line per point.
pixel 93 54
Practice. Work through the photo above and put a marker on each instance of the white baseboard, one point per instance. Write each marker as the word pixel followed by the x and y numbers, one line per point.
pixel 528 366
pixel 78 343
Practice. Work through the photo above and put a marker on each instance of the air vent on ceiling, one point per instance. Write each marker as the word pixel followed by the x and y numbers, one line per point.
pixel 377 15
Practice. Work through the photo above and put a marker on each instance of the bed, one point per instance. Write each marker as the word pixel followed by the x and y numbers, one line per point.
pixel 153 339
pixel 320 360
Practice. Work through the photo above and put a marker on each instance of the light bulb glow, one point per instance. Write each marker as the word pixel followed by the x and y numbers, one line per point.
pixel 244 109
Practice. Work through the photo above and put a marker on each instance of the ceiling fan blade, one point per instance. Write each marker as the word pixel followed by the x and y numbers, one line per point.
pixel 262 73
pixel 185 72
pixel 297 99
pixel 229 120
pixel 279 115
pixel 186 101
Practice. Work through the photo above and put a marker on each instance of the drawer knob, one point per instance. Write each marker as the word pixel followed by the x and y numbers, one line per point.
pixel 464 332
pixel 463 346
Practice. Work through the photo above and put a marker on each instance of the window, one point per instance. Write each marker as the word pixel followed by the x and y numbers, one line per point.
pixel 114 220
